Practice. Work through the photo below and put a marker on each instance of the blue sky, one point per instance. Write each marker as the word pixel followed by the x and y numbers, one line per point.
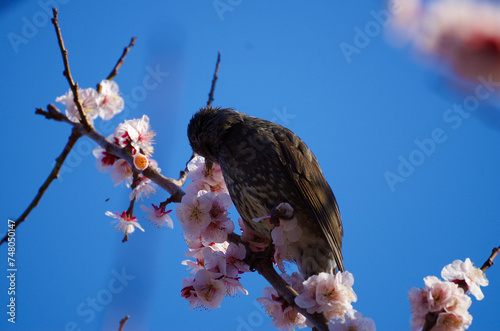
pixel 372 114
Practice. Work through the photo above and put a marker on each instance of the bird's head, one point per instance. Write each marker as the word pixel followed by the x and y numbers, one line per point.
pixel 207 128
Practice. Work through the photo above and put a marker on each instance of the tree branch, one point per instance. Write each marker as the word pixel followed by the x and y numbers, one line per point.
pixel 489 262
pixel 67 72
pixel 75 135
pixel 266 269
pixel 120 62
pixel 122 322
pixel 214 80
pixel 168 184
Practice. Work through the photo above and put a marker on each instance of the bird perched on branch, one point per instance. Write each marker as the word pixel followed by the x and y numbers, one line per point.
pixel 265 164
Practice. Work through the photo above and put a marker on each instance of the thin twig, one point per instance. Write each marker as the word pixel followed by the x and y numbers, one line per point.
pixel 67 72
pixel 122 322
pixel 120 62
pixel 75 135
pixel 214 80
pixel 489 262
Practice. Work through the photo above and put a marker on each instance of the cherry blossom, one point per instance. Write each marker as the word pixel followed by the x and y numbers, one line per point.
pixel 351 321
pixel 419 306
pixel 220 225
pixel 136 133
pixel 104 160
pixel 194 266
pixel 473 277
pixel 124 222
pixel 283 315
pixel 255 241
pixel 445 296
pixel 327 293
pixel 227 266
pixel 189 293
pixel 109 100
pixel 194 214
pixel 196 247
pixel 88 101
pixel 209 290
pixel 158 216
pixel 122 171
pixel 443 299
pixel 144 188
pixel 212 177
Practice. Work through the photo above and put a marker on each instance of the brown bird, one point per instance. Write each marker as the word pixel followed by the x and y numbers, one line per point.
pixel 264 164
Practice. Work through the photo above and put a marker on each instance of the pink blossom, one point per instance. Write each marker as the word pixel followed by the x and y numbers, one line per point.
pixel 327 293
pixel 104 160
pixel 194 214
pixel 445 296
pixel 196 247
pixel 351 321
pixel 287 231
pixel 136 133
pixel 227 266
pixel 445 300
pixel 124 222
pixel 144 188
pixel 283 315
pixel 189 293
pixel 220 225
pixel 109 100
pixel 255 241
pixel 88 101
pixel 281 254
pixel 465 271
pixel 419 306
pixel 233 286
pixel 235 254
pixel 212 177
pixel 158 216
pixel 197 185
pixel 194 266
pixel 122 171
pixel 215 263
pixel 209 290
pixel 452 322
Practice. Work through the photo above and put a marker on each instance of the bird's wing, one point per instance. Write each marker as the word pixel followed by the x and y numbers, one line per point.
pixel 305 173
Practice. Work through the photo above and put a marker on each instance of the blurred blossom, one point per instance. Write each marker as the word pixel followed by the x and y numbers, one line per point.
pixel 465 34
